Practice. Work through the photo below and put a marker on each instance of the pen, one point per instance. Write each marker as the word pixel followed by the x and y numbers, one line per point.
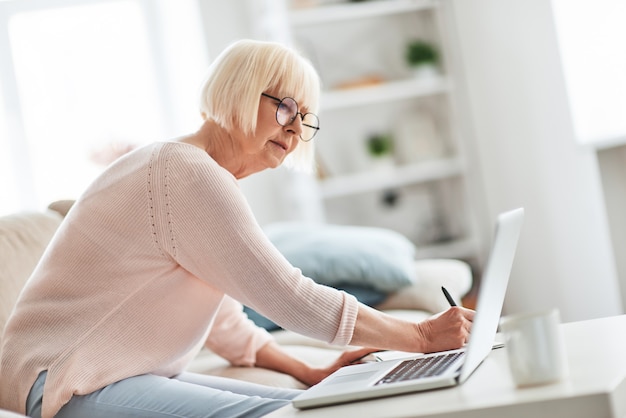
pixel 448 297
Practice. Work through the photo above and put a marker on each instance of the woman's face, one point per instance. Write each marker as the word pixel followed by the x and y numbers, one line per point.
pixel 243 154
pixel 270 144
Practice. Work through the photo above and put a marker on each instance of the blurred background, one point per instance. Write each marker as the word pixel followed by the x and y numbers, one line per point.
pixel 435 117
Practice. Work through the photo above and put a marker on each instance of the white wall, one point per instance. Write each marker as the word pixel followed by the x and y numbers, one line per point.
pixel 528 156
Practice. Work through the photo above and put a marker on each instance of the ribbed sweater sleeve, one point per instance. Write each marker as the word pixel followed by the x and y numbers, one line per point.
pixel 212 233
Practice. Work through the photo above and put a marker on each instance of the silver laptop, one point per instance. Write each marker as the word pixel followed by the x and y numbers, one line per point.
pixel 436 370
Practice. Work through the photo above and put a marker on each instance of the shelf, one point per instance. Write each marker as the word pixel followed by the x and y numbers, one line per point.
pixel 385 92
pixel 352 11
pixel 392 177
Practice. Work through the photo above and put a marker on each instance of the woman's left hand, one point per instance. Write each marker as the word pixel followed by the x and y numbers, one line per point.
pixel 272 356
pixel 354 356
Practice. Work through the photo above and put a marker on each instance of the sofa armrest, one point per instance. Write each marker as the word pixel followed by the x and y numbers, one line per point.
pixel 23 239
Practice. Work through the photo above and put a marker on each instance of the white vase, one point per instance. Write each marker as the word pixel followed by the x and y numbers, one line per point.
pixel 382 162
pixel 425 71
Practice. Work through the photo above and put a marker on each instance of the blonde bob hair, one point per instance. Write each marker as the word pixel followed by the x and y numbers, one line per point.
pixel 235 80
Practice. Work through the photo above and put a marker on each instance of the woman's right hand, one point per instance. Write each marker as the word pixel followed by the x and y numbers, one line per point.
pixel 447 330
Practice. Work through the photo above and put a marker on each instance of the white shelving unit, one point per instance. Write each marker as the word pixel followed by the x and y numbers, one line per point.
pixel 349 186
pixel 391 178
pixel 350 11
pixel 387 92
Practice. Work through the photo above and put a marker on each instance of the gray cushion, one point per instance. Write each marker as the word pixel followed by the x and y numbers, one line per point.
pixel 336 255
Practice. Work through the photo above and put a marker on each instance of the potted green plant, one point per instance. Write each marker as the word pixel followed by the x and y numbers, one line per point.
pixel 422 56
pixel 380 148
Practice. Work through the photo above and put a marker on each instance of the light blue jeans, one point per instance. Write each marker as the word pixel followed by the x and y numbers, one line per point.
pixel 187 395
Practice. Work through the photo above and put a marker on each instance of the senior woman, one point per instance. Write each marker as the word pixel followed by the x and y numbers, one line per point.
pixel 158 255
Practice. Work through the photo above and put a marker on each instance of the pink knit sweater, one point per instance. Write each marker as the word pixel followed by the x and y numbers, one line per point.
pixel 147 268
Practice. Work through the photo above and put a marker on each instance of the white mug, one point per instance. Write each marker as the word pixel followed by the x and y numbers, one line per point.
pixel 535 347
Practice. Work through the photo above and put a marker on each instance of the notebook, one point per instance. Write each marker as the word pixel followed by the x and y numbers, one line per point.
pixel 435 370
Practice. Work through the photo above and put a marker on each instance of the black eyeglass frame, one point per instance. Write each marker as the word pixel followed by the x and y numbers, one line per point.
pixel 302 115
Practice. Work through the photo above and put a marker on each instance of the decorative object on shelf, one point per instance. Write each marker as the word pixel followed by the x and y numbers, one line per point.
pixel 390 197
pixel 360 82
pixel 303 4
pixel 423 57
pixel 380 149
pixel 380 145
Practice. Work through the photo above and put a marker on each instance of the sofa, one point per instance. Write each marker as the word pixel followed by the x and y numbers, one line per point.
pixel 24 236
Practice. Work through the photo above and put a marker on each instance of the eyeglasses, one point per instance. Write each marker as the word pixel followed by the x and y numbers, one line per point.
pixel 286 113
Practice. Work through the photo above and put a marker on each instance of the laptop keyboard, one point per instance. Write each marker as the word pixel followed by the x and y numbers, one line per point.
pixel 420 367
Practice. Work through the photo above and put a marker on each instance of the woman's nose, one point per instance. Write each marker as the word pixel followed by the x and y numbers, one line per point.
pixel 295 127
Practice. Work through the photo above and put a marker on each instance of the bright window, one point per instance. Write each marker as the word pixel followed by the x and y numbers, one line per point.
pixel 93 81
pixel 591 36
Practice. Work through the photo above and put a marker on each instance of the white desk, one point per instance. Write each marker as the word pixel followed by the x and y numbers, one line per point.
pixel 595 388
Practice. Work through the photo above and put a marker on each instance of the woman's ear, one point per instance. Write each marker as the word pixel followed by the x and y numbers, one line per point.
pixel 203 116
